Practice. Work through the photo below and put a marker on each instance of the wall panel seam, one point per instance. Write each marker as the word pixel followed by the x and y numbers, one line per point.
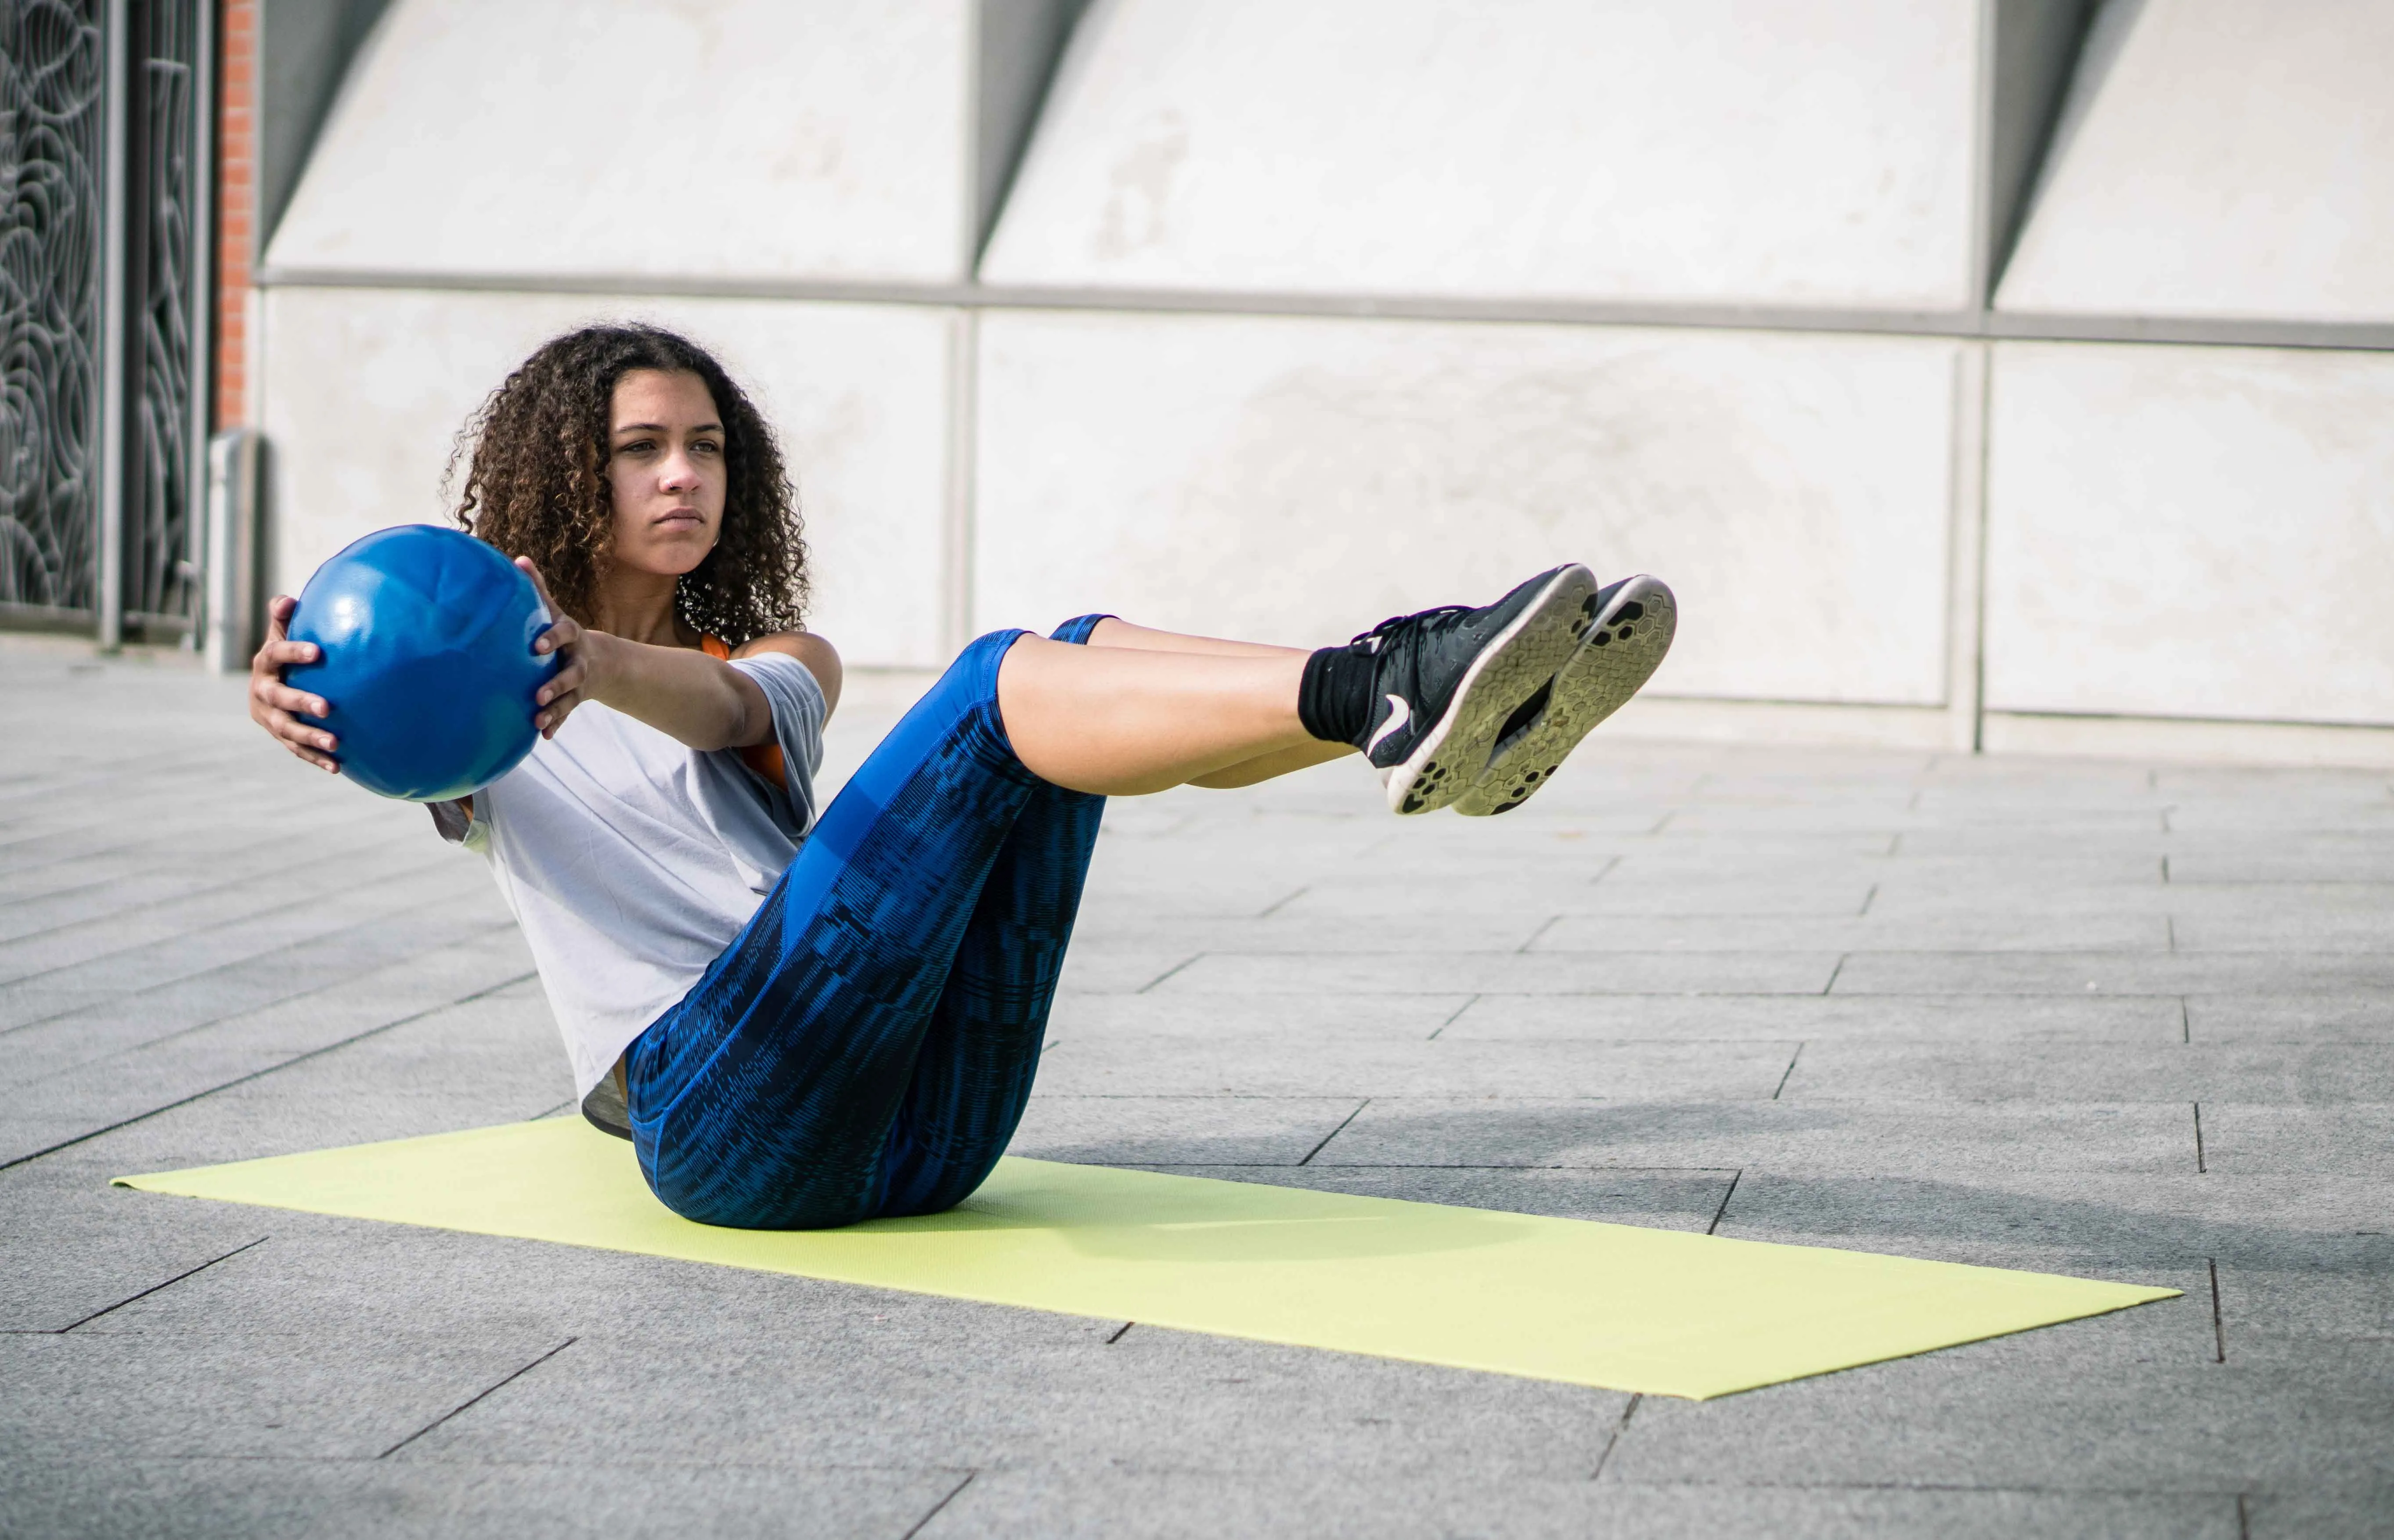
pixel 958 528
pixel 2193 330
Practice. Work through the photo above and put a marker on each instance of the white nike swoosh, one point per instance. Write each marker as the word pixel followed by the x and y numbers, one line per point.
pixel 1398 715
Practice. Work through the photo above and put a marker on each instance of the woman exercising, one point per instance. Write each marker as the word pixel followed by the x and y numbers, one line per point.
pixel 805 1020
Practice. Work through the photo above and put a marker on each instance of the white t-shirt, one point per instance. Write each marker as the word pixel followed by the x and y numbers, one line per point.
pixel 631 859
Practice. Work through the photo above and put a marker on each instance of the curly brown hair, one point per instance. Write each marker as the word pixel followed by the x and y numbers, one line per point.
pixel 537 483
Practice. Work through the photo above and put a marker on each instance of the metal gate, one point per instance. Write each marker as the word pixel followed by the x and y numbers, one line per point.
pixel 104 228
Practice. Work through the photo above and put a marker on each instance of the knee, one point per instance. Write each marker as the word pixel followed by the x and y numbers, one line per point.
pixel 1078 629
pixel 975 668
pixel 762 1195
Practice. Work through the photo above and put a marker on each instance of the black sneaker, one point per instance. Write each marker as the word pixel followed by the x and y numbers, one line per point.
pixel 1630 627
pixel 1449 679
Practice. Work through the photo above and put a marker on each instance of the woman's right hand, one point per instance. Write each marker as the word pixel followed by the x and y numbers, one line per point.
pixel 275 706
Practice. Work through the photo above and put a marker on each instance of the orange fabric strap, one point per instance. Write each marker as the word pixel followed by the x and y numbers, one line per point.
pixel 764 758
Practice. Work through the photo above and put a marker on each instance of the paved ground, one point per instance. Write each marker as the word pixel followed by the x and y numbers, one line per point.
pixel 2122 1020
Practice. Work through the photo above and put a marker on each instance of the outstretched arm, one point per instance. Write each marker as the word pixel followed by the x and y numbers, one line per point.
pixel 820 658
pixel 689 696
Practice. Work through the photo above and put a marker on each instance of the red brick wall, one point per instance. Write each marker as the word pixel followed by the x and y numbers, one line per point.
pixel 236 201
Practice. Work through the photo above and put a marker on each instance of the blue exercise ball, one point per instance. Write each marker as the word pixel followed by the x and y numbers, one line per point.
pixel 427 661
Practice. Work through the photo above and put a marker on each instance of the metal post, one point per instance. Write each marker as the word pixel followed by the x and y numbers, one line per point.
pixel 204 312
pixel 231 605
pixel 115 205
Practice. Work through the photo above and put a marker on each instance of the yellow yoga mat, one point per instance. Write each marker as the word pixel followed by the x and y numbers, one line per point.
pixel 1616 1306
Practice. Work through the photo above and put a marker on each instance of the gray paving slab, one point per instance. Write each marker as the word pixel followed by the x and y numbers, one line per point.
pixel 2258 1073
pixel 2319 1511
pixel 300 1499
pixel 2331 833
pixel 75 1103
pixel 320 1274
pixel 1299 1018
pixel 1733 1510
pixel 2008 844
pixel 2274 792
pixel 1998 932
pixel 441 958
pixel 372 1090
pixel 1509 973
pixel 2367 925
pixel 2228 903
pixel 358 1091
pixel 2065 860
pixel 1530 834
pixel 2071 1221
pixel 242 900
pixel 75 1250
pixel 2356 1140
pixel 2014 1019
pixel 2346 1016
pixel 1958 1093
pixel 116 848
pixel 1085 1402
pixel 2301 1306
pixel 296 942
pixel 1340 935
pixel 1872 1139
pixel 1538 834
pixel 1820 816
pixel 2109 973
pixel 1070 1503
pixel 145 883
pixel 1102 969
pixel 1249 1064
pixel 1274 1132
pixel 249 1391
pixel 2352 863
pixel 1551 893
pixel 1940 1420
pixel 1181 886
pixel 1390 887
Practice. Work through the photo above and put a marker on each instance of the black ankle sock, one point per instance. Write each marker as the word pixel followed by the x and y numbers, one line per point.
pixel 1335 700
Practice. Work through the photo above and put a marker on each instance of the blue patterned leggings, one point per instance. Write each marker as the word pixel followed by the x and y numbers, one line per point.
pixel 865 1046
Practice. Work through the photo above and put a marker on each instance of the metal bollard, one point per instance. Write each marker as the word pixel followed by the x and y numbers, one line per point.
pixel 231 611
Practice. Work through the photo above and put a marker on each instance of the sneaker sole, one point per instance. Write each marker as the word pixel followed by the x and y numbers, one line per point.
pixel 1511 669
pixel 1624 642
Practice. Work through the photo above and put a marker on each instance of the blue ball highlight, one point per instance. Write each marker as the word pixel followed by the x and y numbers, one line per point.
pixel 427 661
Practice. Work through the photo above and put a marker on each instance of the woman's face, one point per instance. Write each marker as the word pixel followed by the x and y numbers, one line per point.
pixel 666 468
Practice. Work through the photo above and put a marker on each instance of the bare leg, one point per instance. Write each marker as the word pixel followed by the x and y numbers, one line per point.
pixel 1264 767
pixel 1113 631
pixel 1121 721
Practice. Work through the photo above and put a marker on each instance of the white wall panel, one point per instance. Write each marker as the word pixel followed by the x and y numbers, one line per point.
pixel 1787 151
pixel 1297 479
pixel 2191 532
pixel 2221 158
pixel 757 139
pixel 366 389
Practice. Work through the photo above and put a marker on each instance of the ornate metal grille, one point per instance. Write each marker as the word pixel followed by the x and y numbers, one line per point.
pixel 161 568
pixel 55 377
pixel 52 150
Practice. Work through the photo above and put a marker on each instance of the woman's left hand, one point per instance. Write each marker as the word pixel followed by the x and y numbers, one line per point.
pixel 566 637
